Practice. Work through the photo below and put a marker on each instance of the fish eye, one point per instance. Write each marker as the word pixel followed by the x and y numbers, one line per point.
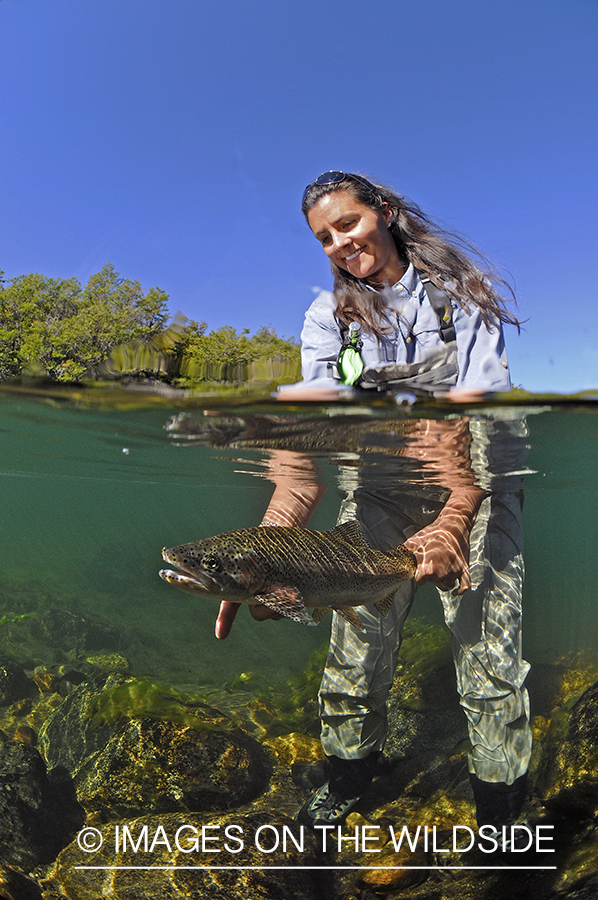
pixel 211 562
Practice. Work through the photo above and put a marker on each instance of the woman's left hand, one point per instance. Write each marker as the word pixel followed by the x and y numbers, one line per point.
pixel 442 552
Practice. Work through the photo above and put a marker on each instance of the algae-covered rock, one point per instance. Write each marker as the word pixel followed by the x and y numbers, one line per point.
pixel 94 711
pixel 295 748
pixel 443 812
pixel 54 636
pixel 38 816
pixel 174 842
pixel 135 747
pixel 395 871
pixel 109 662
pixel 567 776
pixel 68 736
pixel 165 766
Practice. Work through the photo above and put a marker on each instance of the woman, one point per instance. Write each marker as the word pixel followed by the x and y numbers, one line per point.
pixel 430 319
pixel 380 247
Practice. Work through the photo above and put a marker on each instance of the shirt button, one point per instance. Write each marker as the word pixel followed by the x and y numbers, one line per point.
pixel 408 340
pixel 505 364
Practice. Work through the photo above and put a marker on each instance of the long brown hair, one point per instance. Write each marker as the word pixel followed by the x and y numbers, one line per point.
pixel 444 257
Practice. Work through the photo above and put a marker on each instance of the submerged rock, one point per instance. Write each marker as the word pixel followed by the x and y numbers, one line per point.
pixel 165 766
pixel 25 734
pixel 175 754
pixel 53 636
pixel 109 662
pixel 567 777
pixel 238 856
pixel 14 683
pixel 395 871
pixel 38 816
pixel 68 736
pixel 295 749
pixel 15 886
pixel 61 628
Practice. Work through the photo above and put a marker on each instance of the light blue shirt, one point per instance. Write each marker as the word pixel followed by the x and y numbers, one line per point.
pixel 481 355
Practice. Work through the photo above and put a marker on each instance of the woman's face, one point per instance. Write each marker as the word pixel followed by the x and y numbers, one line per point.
pixel 356 238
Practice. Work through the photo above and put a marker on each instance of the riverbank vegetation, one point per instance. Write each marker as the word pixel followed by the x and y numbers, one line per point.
pixel 111 328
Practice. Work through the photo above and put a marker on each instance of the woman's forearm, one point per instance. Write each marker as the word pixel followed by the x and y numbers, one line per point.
pixel 297 490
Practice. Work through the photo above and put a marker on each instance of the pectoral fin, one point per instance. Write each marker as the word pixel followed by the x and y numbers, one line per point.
pixel 288 602
pixel 384 605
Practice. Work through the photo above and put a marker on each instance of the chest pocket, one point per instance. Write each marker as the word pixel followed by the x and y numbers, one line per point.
pixel 438 366
pixel 437 372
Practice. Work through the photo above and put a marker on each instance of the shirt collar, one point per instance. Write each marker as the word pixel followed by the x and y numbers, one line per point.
pixel 406 286
pixel 409 283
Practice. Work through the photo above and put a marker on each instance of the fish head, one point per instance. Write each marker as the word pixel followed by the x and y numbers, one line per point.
pixel 223 567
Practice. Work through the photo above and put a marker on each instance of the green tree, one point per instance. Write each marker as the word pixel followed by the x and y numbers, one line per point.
pixel 68 329
pixel 112 311
pixel 268 345
pixel 228 355
pixel 33 309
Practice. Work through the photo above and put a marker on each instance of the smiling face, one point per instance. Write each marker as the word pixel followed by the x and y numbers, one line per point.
pixel 356 237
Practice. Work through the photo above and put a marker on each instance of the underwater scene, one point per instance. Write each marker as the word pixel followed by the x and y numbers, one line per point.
pixel 143 757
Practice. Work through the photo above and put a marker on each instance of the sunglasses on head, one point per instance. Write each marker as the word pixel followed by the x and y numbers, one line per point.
pixel 335 177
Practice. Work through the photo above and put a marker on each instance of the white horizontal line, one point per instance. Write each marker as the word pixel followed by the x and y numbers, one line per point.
pixel 323 868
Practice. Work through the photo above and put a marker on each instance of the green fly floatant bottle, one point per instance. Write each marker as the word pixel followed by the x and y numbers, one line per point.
pixel 350 364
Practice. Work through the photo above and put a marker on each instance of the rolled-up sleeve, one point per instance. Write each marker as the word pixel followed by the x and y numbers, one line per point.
pixel 320 338
pixel 481 353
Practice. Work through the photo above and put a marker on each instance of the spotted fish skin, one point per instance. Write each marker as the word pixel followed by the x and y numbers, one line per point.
pixel 292 570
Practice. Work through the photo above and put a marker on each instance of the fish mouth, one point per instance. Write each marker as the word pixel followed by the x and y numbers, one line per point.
pixel 195 582
pixel 188 583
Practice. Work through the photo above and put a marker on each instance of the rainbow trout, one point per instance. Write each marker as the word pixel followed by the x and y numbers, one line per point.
pixel 292 570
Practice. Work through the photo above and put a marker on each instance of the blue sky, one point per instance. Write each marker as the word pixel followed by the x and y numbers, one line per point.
pixel 173 138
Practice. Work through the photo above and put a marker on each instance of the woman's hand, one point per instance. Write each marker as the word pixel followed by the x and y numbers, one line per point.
pixel 441 549
pixel 228 613
pixel 442 552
